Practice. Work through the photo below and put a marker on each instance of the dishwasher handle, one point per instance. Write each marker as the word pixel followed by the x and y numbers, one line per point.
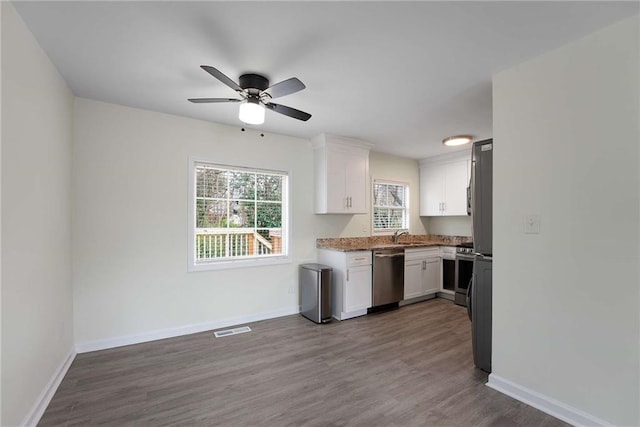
pixel 383 255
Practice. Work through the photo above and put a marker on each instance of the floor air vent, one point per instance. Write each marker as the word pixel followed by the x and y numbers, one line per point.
pixel 233 331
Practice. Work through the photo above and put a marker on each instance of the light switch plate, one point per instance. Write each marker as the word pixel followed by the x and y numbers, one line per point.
pixel 532 224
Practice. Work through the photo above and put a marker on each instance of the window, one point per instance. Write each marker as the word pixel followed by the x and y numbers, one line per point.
pixel 390 206
pixel 238 216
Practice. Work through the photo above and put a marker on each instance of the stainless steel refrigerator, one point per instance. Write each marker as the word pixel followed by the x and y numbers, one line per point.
pixel 479 293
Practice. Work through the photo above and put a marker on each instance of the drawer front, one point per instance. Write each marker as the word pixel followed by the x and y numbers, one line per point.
pixel 420 253
pixel 358 258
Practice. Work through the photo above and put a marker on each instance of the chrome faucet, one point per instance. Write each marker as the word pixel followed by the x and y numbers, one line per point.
pixel 397 235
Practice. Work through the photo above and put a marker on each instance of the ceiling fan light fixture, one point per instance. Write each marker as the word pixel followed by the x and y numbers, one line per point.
pixel 453 141
pixel 251 112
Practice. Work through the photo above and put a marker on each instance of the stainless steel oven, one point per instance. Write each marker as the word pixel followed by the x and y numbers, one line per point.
pixel 464 272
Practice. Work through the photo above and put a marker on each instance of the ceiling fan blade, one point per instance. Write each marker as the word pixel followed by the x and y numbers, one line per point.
pixel 285 87
pixel 207 100
pixel 288 111
pixel 224 79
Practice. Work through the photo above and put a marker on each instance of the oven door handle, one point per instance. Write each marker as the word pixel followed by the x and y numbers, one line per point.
pixel 466 257
pixel 470 298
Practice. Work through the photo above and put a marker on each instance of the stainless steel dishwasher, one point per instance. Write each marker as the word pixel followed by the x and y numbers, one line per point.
pixel 388 276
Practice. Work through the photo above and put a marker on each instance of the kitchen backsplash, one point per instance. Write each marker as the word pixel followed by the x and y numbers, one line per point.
pixel 448 225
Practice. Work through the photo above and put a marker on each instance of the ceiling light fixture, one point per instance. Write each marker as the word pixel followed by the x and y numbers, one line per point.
pixel 251 111
pixel 456 140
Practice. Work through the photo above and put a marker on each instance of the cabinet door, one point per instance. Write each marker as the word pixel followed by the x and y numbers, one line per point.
pixel 336 177
pixel 413 286
pixel 456 182
pixel 431 190
pixel 356 181
pixel 357 288
pixel 431 275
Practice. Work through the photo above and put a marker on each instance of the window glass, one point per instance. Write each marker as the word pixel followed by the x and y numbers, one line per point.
pixel 239 214
pixel 390 206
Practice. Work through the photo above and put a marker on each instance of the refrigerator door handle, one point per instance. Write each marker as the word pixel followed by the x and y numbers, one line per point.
pixel 470 298
pixel 472 201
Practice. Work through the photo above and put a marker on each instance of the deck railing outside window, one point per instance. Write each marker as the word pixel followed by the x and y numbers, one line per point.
pixel 237 214
pixel 212 243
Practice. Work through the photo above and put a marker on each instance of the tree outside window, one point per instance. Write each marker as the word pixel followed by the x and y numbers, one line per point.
pixel 238 213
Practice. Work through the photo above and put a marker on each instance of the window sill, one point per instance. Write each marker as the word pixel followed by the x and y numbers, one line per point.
pixel 389 232
pixel 239 263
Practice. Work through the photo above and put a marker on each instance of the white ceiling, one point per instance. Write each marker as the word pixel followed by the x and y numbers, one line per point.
pixel 402 75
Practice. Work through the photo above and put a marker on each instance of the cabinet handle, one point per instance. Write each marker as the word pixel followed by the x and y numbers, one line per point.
pixel 349 204
pixel 444 206
pixel 424 265
pixel 347 274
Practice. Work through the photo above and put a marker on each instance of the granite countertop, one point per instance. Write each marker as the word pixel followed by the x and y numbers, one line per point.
pixel 350 244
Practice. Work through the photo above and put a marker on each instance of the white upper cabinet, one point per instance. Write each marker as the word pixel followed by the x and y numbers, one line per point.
pixel 431 191
pixel 443 185
pixel 341 175
pixel 455 187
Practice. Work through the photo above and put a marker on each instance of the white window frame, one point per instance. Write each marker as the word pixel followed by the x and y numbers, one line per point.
pixel 226 263
pixel 388 231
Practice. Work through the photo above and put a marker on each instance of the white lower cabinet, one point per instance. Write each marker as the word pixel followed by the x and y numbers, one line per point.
pixel 351 282
pixel 432 275
pixel 357 289
pixel 421 272
pixel 413 272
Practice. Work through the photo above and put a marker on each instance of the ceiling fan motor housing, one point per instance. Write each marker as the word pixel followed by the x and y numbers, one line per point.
pixel 254 81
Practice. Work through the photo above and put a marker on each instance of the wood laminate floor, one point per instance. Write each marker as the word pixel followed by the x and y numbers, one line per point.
pixel 407 367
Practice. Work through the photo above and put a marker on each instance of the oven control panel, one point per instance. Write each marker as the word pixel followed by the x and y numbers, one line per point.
pixel 464 250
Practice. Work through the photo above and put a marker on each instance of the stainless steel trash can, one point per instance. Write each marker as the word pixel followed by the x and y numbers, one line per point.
pixel 315 292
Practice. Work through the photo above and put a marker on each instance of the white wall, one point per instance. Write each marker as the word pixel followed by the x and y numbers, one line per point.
pixel 1 9
pixel 385 166
pixel 130 263
pixel 381 166
pixel 130 222
pixel 37 322
pixel 566 301
pixel 449 225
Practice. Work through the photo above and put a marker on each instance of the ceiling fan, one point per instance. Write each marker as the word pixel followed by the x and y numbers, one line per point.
pixel 255 94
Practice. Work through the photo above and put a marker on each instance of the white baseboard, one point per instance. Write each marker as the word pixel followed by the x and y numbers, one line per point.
pixel 544 403
pixel 84 347
pixel 34 415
